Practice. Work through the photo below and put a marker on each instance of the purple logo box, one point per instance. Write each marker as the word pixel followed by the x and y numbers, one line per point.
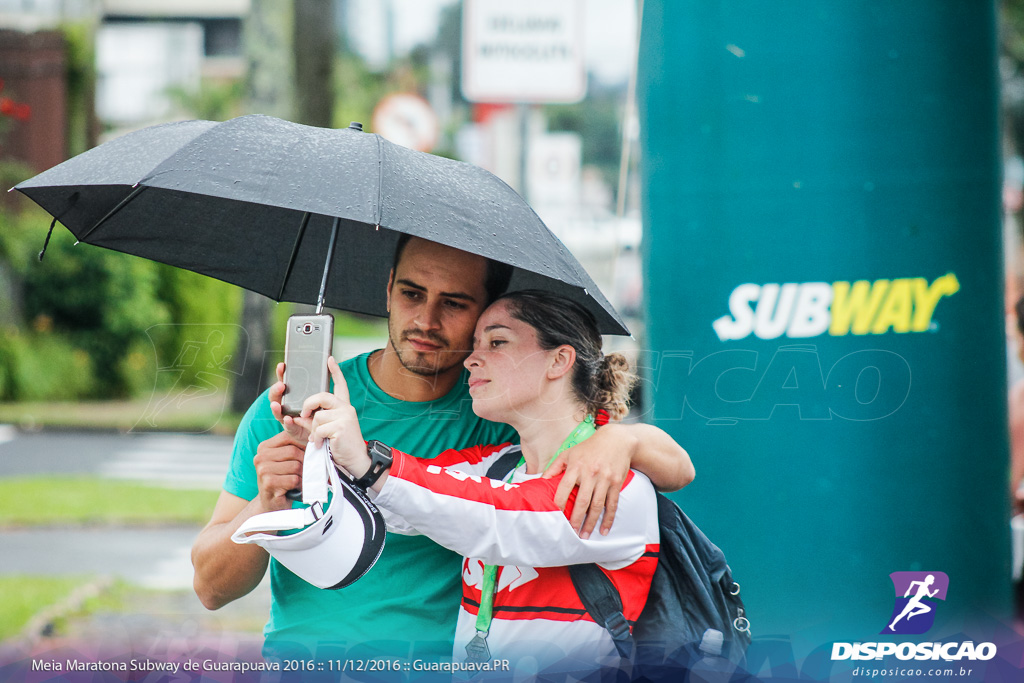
pixel 917 595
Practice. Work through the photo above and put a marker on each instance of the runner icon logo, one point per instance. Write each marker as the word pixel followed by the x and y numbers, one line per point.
pixel 917 594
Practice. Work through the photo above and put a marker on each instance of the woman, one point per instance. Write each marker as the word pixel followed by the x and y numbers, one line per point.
pixel 537 365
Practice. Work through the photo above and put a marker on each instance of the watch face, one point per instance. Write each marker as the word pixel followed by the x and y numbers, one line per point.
pixel 381 450
pixel 380 460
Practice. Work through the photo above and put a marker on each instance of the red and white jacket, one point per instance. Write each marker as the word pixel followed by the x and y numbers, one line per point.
pixel 517 526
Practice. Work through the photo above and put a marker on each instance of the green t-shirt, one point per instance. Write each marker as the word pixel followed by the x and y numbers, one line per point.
pixel 407 605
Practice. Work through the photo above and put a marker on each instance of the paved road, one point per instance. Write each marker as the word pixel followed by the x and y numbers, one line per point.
pixel 156 558
pixel 169 460
pixel 152 558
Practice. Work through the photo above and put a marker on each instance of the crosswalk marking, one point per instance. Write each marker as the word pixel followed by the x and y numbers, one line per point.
pixel 171 461
pixel 170 573
pixel 7 433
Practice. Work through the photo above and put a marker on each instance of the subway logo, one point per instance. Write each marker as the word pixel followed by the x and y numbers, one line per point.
pixel 809 309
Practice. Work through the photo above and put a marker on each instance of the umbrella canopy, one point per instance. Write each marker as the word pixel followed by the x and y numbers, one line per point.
pixel 252 201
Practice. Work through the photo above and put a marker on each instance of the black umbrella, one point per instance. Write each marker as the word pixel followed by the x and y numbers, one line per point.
pixel 301 214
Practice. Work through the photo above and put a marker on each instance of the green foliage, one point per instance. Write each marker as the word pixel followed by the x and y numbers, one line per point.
pixel 356 325
pixel 360 89
pixel 136 369
pixel 81 84
pixel 13 172
pixel 35 362
pixel 205 312
pixel 17 232
pixel 215 100
pixel 100 301
pixel 98 501
pixel 596 119
pixel 37 366
pixel 97 323
pixel 1011 29
pixel 278 329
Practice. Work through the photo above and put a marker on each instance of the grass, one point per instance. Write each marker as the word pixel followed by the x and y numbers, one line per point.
pixel 198 416
pixel 115 597
pixel 82 607
pixel 88 501
pixel 25 596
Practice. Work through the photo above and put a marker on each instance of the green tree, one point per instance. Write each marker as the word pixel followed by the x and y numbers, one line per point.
pixel 598 120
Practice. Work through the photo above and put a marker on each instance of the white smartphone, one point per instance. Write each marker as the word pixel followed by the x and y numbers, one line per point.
pixel 307 345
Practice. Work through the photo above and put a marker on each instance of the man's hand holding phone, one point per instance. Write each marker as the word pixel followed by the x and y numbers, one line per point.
pixel 278 465
pixel 293 433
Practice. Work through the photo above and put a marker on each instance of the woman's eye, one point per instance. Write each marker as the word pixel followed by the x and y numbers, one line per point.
pixel 497 342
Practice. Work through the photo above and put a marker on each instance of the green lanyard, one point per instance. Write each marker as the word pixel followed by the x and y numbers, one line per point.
pixel 477 648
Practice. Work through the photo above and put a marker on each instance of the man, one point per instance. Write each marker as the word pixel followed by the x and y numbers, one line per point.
pixel 411 395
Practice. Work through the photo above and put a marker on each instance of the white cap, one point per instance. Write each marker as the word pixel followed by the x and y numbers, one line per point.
pixel 334 547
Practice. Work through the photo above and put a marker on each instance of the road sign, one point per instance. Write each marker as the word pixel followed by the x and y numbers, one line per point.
pixel 523 51
pixel 407 120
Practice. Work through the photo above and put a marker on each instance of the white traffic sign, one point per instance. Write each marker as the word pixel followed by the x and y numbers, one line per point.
pixel 523 51
pixel 406 119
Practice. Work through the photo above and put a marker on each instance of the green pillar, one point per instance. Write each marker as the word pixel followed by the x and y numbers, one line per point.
pixel 824 291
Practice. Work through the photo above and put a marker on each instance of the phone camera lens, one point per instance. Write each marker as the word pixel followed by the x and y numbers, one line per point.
pixel 307 328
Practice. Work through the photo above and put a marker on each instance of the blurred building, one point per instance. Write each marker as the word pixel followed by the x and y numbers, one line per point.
pixel 33 99
pixel 147 49
pixel 571 197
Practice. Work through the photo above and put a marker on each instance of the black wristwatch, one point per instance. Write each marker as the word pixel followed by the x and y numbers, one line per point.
pixel 380 460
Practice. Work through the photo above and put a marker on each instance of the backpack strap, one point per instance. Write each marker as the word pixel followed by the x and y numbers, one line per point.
pixel 505 463
pixel 602 600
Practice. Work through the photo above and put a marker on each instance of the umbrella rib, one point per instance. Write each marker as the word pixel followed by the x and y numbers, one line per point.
pixel 110 213
pixel 295 251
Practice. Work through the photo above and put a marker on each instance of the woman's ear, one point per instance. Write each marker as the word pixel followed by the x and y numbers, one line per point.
pixel 562 360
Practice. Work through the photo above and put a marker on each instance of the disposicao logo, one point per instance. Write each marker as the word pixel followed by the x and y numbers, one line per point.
pixel 917 596
pixel 809 309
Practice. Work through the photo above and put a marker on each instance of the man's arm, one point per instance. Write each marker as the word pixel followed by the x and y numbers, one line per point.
pixel 225 570
pixel 656 454
pixel 599 465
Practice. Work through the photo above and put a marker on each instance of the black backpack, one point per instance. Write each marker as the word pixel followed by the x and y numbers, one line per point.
pixel 692 590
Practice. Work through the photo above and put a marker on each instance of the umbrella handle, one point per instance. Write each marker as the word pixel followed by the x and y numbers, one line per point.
pixel 327 266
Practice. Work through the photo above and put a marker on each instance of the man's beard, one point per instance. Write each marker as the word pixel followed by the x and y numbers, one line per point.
pixel 415 362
